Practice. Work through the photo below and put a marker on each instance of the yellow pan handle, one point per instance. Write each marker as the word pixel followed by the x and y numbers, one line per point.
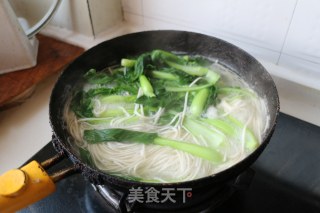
pixel 22 187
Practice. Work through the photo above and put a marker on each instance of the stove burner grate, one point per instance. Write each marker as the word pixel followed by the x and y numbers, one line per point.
pixel 115 201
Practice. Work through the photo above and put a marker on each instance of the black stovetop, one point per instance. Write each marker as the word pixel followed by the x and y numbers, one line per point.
pixel 287 178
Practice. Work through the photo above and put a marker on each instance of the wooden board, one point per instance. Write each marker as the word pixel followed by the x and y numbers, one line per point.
pixel 53 56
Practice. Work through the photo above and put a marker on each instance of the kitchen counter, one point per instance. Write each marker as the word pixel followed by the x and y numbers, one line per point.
pixel 25 129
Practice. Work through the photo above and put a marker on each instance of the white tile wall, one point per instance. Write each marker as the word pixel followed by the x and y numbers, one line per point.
pixel 104 14
pixel 132 6
pixel 302 46
pixel 133 18
pixel 284 33
pixel 262 24
pixel 259 28
pixel 133 11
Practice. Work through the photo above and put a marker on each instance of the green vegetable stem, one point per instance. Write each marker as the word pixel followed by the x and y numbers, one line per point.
pixel 146 86
pixel 125 136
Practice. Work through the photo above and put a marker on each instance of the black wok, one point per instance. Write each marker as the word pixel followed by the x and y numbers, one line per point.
pixel 110 53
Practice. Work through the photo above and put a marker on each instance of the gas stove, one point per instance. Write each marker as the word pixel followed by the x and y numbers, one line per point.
pixel 285 178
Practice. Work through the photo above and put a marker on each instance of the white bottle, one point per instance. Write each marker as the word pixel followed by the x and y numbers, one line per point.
pixel 16 50
pixel 18 46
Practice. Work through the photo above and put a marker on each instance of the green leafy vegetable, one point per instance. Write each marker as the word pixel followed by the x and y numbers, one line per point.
pixel 100 91
pixel 168 101
pixel 193 149
pixel 191 70
pixel 125 136
pixel 146 86
pixel 187 88
pixel 226 127
pixel 199 102
pixel 140 64
pixel 127 62
pixel 181 64
pixel 82 105
pixel 212 97
pixel 112 99
pixel 251 142
pixel 119 135
pixel 236 91
pixel 94 77
pixel 163 56
pixel 201 130
pixel 165 75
